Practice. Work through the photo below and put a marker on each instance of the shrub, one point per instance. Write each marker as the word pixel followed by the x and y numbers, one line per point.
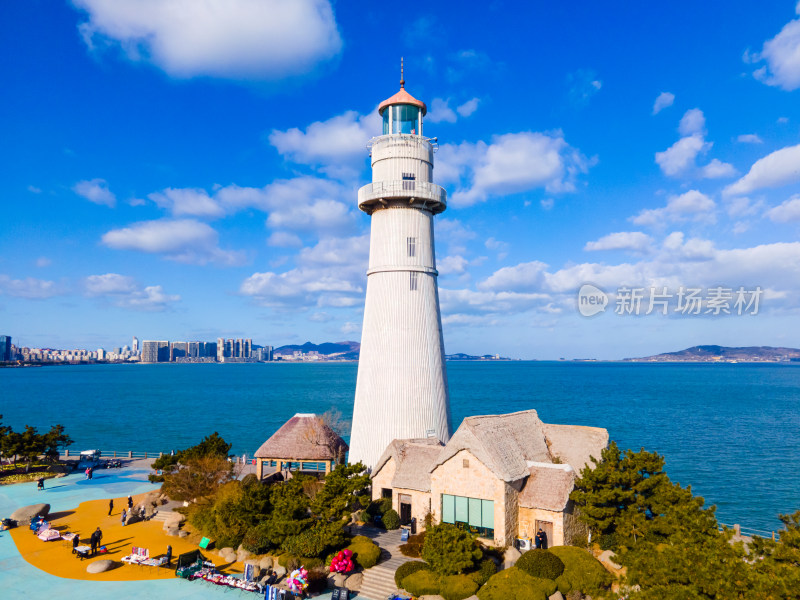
pixel 541 563
pixel 449 550
pixel 365 553
pixel 316 541
pixel 363 516
pixel 486 569
pixel 413 548
pixel 384 505
pixel 516 583
pixel 391 520
pixel 582 571
pixel 607 541
pixel 288 561
pixel 256 539
pixel 422 583
pixel 457 587
pixel 407 569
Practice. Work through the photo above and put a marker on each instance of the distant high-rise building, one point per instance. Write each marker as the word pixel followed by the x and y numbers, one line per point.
pixel 208 349
pixel 193 349
pixel 155 351
pixel 135 345
pixel 177 350
pixel 5 348
pixel 247 348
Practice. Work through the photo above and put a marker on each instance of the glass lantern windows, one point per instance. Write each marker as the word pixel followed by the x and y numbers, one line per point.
pixel 404 118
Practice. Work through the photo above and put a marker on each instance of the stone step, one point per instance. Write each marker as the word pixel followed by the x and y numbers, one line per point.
pixel 163 515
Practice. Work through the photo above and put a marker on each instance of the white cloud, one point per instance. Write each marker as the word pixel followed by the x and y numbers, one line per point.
pixel 181 240
pixel 452 265
pixel 95 190
pixel 284 239
pixel 717 169
pixel 235 39
pixel 43 261
pixel 511 163
pixel 741 206
pixel 547 203
pixel 782 55
pixel 633 241
pixel 440 112
pixel 187 202
pixel 693 122
pixel 691 205
pixel 786 211
pixel 524 277
pixel 34 190
pixel 469 107
pixel 335 144
pixel 776 169
pixel 664 100
pixel 749 138
pixel 123 291
pixel 30 288
pixel 680 157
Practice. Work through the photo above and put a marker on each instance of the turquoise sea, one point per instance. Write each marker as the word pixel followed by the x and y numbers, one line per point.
pixel 732 431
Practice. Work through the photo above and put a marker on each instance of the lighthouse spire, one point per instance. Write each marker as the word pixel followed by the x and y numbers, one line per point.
pixel 402 79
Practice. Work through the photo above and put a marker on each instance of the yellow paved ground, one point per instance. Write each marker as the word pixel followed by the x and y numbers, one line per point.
pixel 57 559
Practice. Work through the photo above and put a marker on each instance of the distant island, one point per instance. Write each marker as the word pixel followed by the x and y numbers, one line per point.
pixel 338 351
pixel 725 354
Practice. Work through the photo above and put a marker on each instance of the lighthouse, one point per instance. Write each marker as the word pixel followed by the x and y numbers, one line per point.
pixel 401 390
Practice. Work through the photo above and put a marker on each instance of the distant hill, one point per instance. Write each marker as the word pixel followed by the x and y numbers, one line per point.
pixel 462 356
pixel 343 350
pixel 725 354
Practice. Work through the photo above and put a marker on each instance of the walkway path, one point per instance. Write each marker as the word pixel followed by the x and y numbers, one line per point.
pixel 378 581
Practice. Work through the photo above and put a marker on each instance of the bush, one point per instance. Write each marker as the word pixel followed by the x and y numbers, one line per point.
pixel 516 583
pixel 422 583
pixel 486 569
pixel 607 541
pixel 457 587
pixel 413 548
pixel 288 561
pixel 541 563
pixel 316 541
pixel 391 520
pixel 256 539
pixel 582 571
pixel 365 553
pixel 449 550
pixel 407 569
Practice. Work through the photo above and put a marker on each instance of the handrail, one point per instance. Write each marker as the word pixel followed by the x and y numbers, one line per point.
pixel 423 190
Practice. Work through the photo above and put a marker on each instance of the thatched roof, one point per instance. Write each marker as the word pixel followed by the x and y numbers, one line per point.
pixel 413 462
pixel 507 443
pixel 303 437
pixel 548 487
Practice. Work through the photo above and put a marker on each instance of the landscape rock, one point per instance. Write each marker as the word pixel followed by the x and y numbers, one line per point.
pixel 242 555
pixel 26 513
pixel 339 579
pixel 279 571
pixel 557 596
pixel 100 566
pixel 183 534
pixel 354 581
pixel 265 563
pixel 132 518
pixel 511 556
pixel 228 554
pixel 431 597
pixel 606 558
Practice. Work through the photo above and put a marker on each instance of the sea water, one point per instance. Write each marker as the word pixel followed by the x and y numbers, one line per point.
pixel 731 431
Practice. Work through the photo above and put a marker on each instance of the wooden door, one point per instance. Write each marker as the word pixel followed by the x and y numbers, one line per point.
pixel 547 527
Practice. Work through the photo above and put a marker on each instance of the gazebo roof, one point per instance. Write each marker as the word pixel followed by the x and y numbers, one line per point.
pixel 402 97
pixel 303 437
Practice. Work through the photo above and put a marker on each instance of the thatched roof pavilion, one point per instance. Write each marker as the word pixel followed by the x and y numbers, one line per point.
pixel 304 443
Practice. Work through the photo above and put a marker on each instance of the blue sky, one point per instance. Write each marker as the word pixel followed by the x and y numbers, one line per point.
pixel 183 170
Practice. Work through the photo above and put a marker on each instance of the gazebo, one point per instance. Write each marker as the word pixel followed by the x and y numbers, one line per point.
pixel 304 443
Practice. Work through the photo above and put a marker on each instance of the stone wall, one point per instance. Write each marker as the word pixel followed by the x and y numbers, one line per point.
pixel 527 524
pixel 474 480
pixel 573 528
pixel 383 479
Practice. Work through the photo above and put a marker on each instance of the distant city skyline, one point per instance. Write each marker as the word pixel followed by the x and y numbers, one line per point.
pixel 195 186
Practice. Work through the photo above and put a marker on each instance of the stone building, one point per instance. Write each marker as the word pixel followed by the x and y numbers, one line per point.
pixel 500 476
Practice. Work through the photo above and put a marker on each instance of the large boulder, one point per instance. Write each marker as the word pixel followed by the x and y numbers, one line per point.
pixel 339 579
pixel 242 554
pixel 100 566
pixel 279 571
pixel 27 513
pixel 173 521
pixel 133 518
pixel 354 581
pixel 265 563
pixel 256 567
pixel 511 557
pixel 228 554
pixel 557 596
pixel 172 531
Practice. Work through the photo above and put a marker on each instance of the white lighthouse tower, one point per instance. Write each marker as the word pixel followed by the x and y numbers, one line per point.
pixel 401 391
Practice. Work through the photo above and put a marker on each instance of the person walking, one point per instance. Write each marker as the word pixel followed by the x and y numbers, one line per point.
pixel 130 503
pixel 110 506
pixel 93 542
pixel 40 485
pixel 124 516
pixel 99 535
pixel 169 556
pixel 76 541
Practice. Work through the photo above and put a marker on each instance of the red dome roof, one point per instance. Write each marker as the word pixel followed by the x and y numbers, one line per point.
pixel 402 97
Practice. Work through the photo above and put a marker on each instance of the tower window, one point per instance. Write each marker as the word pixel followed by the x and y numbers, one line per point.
pixel 412 246
pixel 413 281
pixel 409 181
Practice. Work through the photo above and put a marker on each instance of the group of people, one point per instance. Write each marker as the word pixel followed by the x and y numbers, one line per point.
pixel 541 539
pixel 95 542
pixel 127 512
pixel 89 472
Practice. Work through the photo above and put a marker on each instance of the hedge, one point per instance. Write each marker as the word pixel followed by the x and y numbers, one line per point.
pixel 413 548
pixel 582 571
pixel 486 569
pixel 516 583
pixel 422 583
pixel 391 520
pixel 541 563
pixel 457 587
pixel 365 552
pixel 407 569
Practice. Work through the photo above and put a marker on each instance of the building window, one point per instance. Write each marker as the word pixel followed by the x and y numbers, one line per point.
pixel 412 246
pixel 409 181
pixel 386 492
pixel 465 463
pixel 413 281
pixel 470 514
